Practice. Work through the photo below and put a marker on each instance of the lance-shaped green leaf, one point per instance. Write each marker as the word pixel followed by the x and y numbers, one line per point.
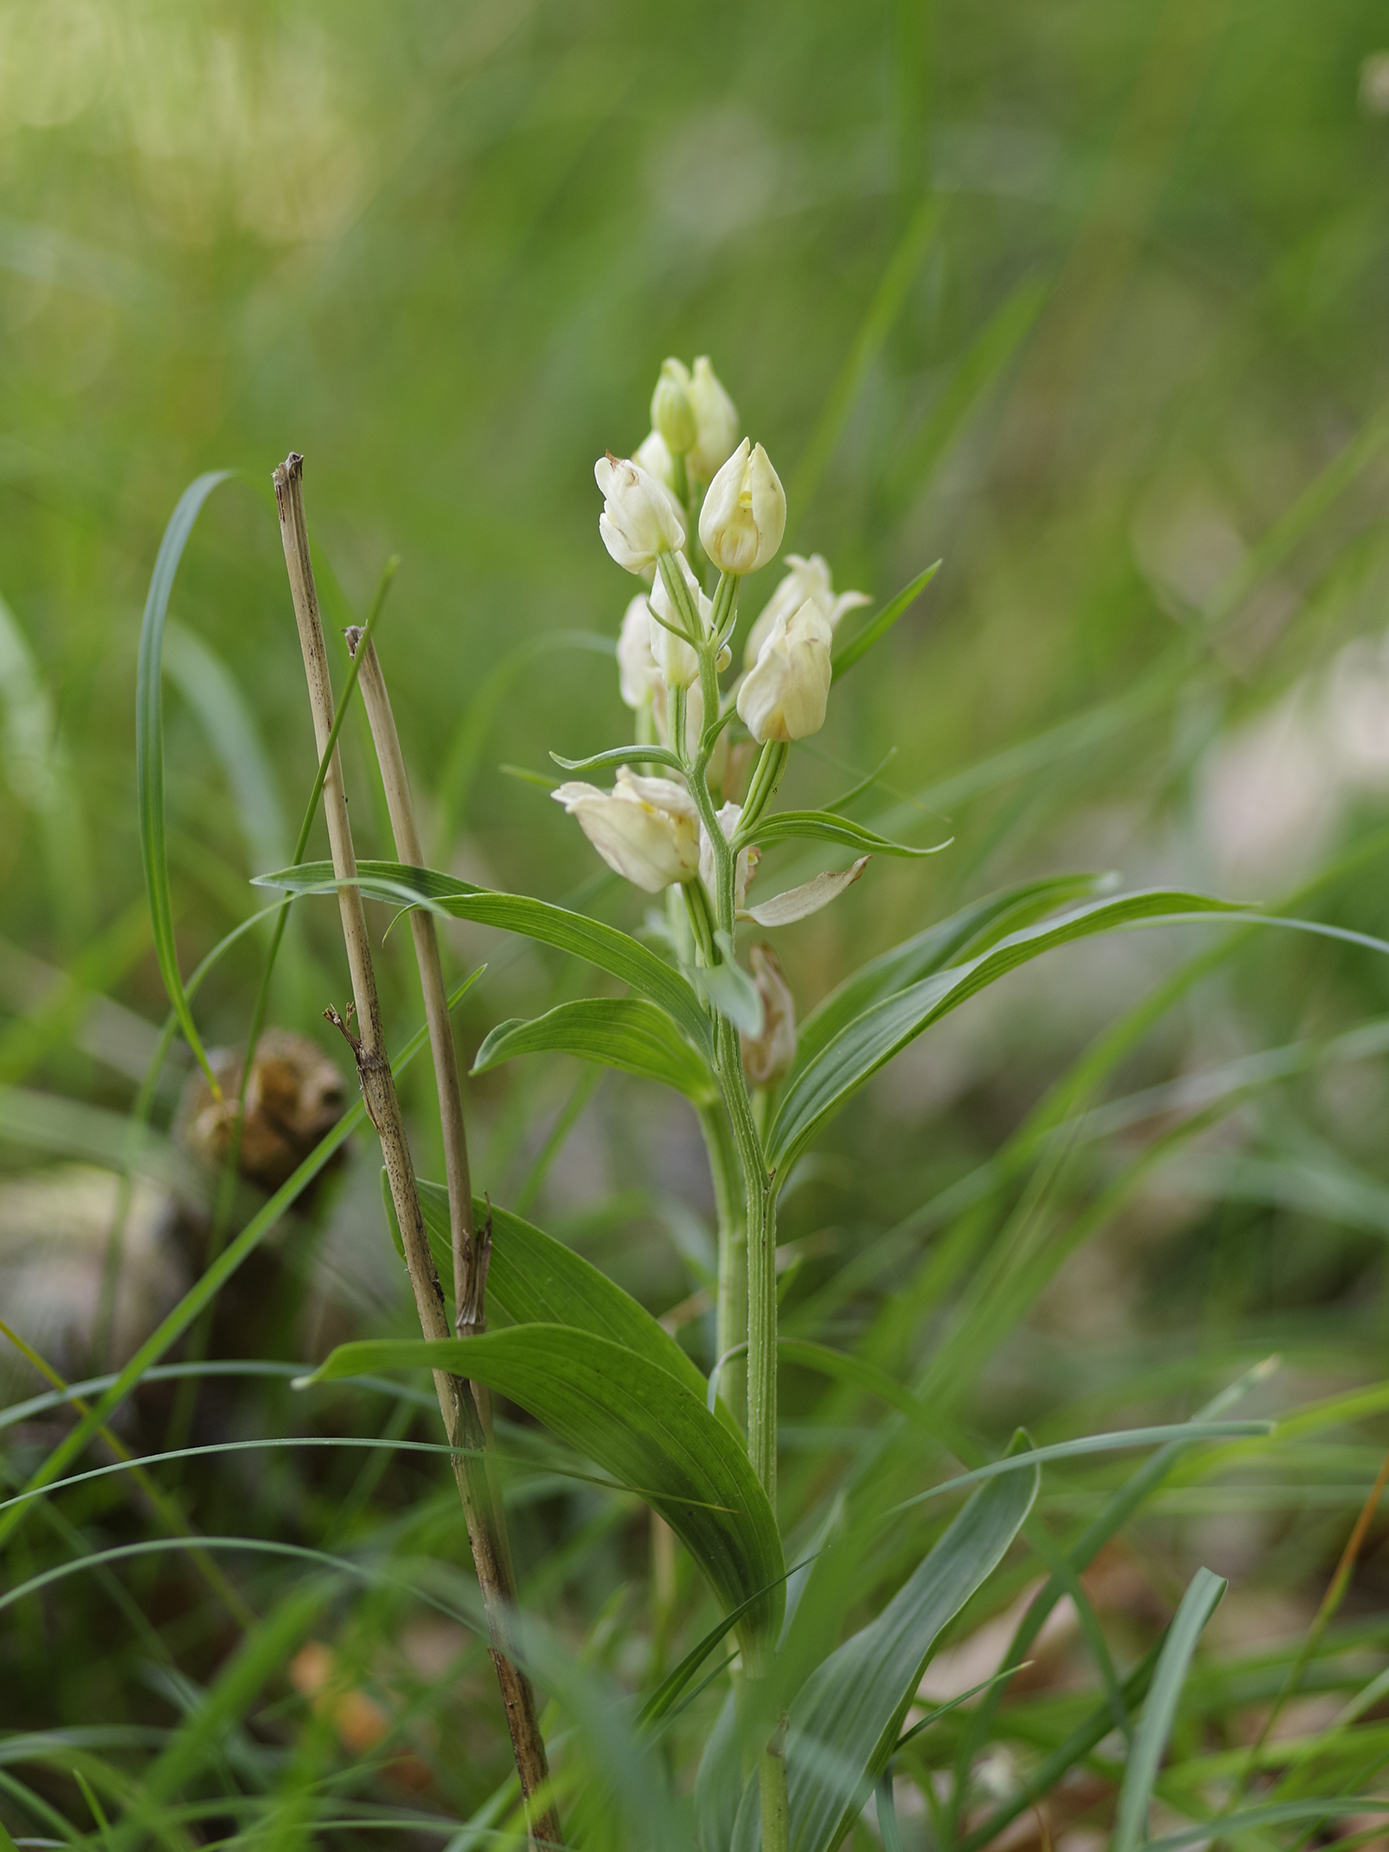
pixel 880 623
pixel 1150 1738
pixel 846 1718
pixel 968 384
pixel 633 1419
pixel 867 1043
pixel 825 826
pixel 622 1032
pixel 149 752
pixel 535 1280
pixel 973 928
pixel 610 950
pixel 636 754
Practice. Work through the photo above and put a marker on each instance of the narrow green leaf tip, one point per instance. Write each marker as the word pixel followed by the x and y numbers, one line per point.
pixel 149 756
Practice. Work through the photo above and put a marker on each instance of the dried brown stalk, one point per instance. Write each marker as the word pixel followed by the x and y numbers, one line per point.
pixel 462 1423
pixel 469 1259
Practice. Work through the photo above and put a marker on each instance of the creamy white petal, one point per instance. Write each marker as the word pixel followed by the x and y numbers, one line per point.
pixel 716 422
pixel 672 410
pixel 640 518
pixel 645 829
pixel 655 459
pixel 636 666
pixel 798 903
pixel 744 512
pixel 785 694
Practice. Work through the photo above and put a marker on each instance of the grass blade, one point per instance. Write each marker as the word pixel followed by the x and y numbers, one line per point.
pixel 1116 1512
pixel 1122 1438
pixel 149 755
pixel 661 1700
pixel 226 722
pixel 878 626
pixel 975 373
pixel 1150 1738
pixel 882 312
pixel 886 1809
pixel 463 755
pixel 39 772
pixel 1280 1813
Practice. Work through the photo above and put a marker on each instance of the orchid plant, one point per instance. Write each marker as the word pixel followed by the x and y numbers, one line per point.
pixel 695 513
pixel 808 1729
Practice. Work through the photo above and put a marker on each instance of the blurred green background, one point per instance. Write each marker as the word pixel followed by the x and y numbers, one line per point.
pixel 1083 301
pixel 1086 300
pixel 442 252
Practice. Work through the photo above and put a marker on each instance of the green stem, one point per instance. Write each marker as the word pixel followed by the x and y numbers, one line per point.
pixel 759 1199
pixel 762 787
pixel 771 1783
pixel 725 602
pixel 730 1311
pixel 757 1185
pixel 687 624
pixel 758 1192
pixel 761 1263
pixel 679 703
pixel 701 923
pixel 758 1247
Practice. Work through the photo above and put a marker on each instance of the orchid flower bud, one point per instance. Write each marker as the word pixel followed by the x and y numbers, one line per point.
pixel 645 829
pixel 744 513
pixel 640 517
pixel 808 578
pixel 767 1058
pixel 746 865
pixel 637 672
pixel 676 658
pixel 783 697
pixel 672 410
pixel 652 456
pixel 716 422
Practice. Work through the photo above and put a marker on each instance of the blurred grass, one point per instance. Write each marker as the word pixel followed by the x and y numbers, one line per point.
pixel 1087 301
